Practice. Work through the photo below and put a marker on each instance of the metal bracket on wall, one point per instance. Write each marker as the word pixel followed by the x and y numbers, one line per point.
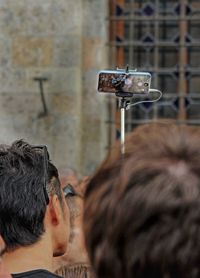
pixel 40 81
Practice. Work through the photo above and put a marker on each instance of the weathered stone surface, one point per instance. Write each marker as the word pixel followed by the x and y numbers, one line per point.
pixel 31 51
pixel 95 12
pixel 12 19
pixel 64 104
pixel 92 54
pixel 66 148
pixel 20 103
pixel 39 18
pixel 68 51
pixel 63 40
pixel 93 154
pixel 93 104
pixel 12 80
pixel 35 72
pixel 66 81
pixel 5 50
pixel 67 16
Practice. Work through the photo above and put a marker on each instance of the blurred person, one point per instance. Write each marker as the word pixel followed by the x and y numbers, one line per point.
pixel 69 175
pixel 75 262
pixel 34 218
pixel 142 210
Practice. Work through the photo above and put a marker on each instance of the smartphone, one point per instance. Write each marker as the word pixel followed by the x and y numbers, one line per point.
pixel 124 83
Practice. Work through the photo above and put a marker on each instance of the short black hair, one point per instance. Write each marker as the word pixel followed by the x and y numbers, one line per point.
pixel 22 199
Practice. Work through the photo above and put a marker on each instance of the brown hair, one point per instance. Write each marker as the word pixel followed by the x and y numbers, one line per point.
pixel 142 211
pixel 78 270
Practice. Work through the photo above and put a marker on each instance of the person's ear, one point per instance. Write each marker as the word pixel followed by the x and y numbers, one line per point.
pixel 2 243
pixel 55 210
pixel 2 246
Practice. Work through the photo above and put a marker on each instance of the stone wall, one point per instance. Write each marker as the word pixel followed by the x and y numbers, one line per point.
pixel 93 105
pixel 63 40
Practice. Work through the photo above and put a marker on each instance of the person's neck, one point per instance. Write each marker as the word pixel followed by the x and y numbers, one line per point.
pixel 36 256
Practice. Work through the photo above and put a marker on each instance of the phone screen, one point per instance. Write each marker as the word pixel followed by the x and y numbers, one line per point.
pixel 131 82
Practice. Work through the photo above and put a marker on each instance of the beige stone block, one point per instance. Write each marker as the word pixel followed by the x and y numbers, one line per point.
pixel 68 50
pixel 92 130
pixel 63 104
pixel 67 141
pixel 13 18
pixel 67 17
pixel 40 15
pixel 66 81
pixel 92 157
pixel 31 51
pixel 90 47
pixel 94 53
pixel 5 44
pixel 35 72
pixel 12 79
pixel 95 13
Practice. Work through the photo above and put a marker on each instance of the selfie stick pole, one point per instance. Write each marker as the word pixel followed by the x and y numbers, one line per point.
pixel 122 130
pixel 123 105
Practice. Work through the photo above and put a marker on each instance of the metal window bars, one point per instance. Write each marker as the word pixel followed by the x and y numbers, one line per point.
pixel 161 37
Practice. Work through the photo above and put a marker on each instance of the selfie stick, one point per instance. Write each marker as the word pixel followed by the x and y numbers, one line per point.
pixel 125 104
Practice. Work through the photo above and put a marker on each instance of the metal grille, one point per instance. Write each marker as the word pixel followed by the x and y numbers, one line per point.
pixel 162 37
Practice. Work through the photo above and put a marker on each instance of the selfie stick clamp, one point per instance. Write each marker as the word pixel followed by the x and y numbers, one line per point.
pixel 124 102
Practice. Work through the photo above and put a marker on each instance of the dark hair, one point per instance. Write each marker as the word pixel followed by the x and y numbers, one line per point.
pixel 22 198
pixel 142 211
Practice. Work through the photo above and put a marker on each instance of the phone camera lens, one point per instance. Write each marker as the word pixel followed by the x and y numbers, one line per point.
pixel 146 84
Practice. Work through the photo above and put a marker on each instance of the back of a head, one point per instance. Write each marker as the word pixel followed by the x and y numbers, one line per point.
pixel 77 270
pixel 142 210
pixel 23 193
